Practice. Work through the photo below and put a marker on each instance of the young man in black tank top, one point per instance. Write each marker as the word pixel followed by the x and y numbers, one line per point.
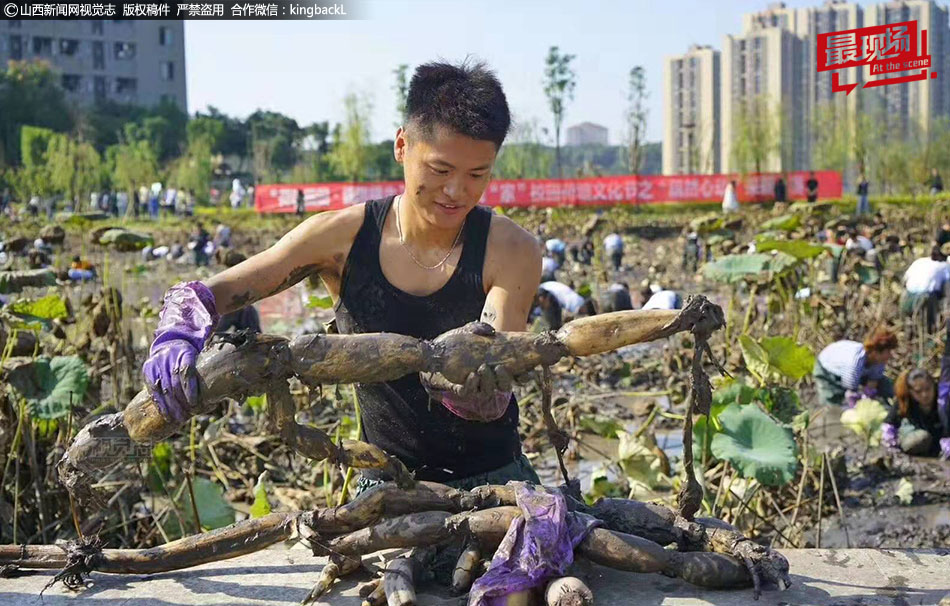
pixel 422 263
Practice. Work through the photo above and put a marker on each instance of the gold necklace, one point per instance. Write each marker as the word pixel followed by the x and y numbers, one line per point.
pixel 402 241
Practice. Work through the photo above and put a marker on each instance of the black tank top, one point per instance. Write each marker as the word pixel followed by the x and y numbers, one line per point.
pixel 398 416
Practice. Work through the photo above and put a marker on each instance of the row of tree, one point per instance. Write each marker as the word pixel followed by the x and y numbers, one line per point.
pixel 896 155
pixel 49 146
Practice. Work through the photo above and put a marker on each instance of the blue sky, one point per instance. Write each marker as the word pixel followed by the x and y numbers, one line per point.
pixel 304 68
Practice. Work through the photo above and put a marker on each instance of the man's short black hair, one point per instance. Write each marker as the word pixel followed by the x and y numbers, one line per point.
pixel 467 98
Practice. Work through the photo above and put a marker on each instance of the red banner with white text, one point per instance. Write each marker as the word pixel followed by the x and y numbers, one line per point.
pixel 598 191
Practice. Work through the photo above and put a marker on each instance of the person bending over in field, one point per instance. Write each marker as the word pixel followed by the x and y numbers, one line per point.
pixel 846 371
pixel 420 263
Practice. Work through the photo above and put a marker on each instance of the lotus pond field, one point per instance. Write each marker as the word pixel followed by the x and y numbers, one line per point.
pixel 769 460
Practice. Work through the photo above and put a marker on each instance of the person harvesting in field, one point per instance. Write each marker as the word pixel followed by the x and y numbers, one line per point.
pixel 420 263
pixel 847 370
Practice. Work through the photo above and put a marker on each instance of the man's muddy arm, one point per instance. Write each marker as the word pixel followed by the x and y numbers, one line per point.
pixel 313 246
pixel 512 275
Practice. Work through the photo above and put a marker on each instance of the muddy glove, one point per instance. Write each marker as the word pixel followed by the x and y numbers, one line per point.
pixel 187 319
pixel 486 393
pixel 889 436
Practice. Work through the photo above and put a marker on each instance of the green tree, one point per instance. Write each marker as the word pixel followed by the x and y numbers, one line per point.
pixel 274 143
pixel 832 129
pixel 234 139
pixel 867 134
pixel 524 155
pixel 135 165
pixel 211 129
pixel 167 126
pixel 559 83
pixel 34 143
pixel 29 94
pixel 192 172
pixel 351 153
pixel 104 123
pixel 933 150
pixel 33 177
pixel 382 163
pixel 75 167
pixel 401 88
pixel 636 117
pixel 756 134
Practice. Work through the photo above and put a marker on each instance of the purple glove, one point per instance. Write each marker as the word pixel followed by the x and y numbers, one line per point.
pixel 187 319
pixel 473 410
pixel 486 394
pixel 889 436
pixel 945 448
pixel 851 398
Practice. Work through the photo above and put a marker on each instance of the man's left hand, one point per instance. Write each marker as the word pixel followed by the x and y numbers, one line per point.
pixel 479 385
pixel 486 392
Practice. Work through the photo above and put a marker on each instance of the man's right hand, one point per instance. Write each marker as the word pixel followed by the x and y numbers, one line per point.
pixel 171 378
pixel 187 319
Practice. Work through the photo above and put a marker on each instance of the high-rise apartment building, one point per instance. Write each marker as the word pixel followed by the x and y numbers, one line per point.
pixel 774 62
pixel 910 108
pixel 138 62
pixel 691 89
pixel 820 104
pixel 762 82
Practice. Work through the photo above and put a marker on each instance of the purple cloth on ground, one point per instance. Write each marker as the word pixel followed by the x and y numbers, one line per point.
pixel 539 546
pixel 889 436
pixel 945 448
pixel 187 319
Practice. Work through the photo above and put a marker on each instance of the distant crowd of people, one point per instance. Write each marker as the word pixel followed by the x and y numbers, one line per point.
pixel 918 417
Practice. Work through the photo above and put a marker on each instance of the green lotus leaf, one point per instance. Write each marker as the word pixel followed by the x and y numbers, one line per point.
pixel 732 391
pixel 796 248
pixel 213 509
pixel 706 224
pixel 48 385
pixel 783 223
pixel 602 426
pixel 640 463
pixel 736 268
pixel 40 311
pixel 756 445
pixel 779 355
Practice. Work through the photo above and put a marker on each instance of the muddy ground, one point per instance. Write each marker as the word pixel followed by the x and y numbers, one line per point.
pixel 868 479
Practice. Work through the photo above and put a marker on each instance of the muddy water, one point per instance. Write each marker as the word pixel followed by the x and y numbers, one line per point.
pixel 896 527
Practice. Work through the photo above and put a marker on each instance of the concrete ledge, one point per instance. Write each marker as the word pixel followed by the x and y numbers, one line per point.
pixel 821 577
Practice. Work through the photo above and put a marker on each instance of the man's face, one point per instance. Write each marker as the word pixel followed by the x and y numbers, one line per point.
pixel 445 173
